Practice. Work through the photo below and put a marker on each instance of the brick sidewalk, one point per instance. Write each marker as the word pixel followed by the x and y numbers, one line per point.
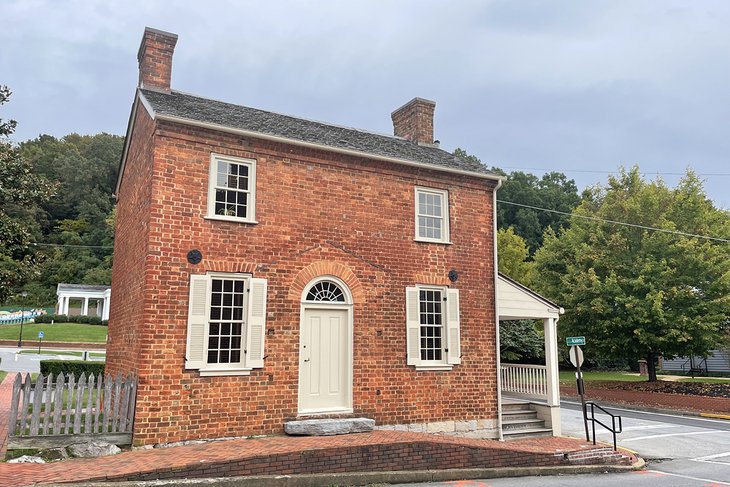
pixel 6 389
pixel 281 455
pixel 680 402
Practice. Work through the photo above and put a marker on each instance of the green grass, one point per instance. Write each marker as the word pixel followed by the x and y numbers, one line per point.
pixel 52 352
pixel 73 353
pixel 568 376
pixel 58 332
pixel 2 375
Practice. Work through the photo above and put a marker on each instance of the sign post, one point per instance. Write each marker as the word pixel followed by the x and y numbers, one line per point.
pixel 576 358
pixel 40 340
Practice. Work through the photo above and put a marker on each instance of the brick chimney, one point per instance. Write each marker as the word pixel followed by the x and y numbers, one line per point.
pixel 414 121
pixel 155 59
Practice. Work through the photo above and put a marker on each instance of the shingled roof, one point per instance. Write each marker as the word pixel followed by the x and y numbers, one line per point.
pixel 185 107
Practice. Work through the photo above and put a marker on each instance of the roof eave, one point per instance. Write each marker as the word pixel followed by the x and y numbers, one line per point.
pixel 530 291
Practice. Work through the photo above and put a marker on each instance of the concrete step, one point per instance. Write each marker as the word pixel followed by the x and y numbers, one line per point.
pixel 516 406
pixel 523 424
pixel 526 433
pixel 518 415
pixel 328 427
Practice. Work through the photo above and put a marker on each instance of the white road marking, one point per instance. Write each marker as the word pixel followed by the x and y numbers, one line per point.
pixel 693 418
pixel 649 427
pixel 708 432
pixel 712 457
pixel 717 482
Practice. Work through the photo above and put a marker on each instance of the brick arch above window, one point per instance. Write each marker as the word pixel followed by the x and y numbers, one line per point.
pixel 324 268
pixel 212 265
pixel 432 278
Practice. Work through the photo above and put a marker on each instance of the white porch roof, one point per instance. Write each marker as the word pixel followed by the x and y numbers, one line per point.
pixel 518 302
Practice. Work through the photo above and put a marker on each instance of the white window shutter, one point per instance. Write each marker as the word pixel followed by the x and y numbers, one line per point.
pixel 413 326
pixel 197 322
pixel 256 329
pixel 453 326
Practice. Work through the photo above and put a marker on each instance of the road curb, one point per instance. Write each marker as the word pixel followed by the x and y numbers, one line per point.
pixel 367 478
pixel 715 416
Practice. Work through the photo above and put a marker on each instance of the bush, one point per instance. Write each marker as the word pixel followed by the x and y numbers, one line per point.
pixel 76 367
pixel 104 322
pixel 94 320
pixel 60 318
pixel 43 318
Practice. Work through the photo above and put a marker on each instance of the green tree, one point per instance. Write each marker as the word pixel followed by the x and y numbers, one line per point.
pixel 18 187
pixel 513 256
pixel 553 191
pixel 637 293
pixel 75 228
pixel 520 340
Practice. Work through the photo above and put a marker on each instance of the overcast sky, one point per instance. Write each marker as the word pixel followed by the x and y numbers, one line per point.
pixel 576 86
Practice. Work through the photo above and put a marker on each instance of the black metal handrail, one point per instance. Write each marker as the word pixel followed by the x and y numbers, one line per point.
pixel 612 428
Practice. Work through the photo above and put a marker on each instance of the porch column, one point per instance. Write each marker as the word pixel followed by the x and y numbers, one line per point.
pixel 85 309
pixel 59 305
pixel 64 311
pixel 107 299
pixel 551 361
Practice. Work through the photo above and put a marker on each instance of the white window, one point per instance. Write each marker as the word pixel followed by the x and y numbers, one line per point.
pixel 232 189
pixel 433 332
pixel 432 215
pixel 226 319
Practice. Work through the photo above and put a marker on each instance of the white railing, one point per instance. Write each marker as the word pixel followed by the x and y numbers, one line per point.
pixel 530 380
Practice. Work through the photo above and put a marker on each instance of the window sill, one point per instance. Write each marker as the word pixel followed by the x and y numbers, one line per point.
pixel 224 218
pixel 223 372
pixel 427 240
pixel 435 367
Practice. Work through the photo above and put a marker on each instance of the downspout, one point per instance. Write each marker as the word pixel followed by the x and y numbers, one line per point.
pixel 496 312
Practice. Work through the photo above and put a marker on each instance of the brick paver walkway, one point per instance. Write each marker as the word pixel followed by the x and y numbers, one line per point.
pixel 280 455
pixel 6 389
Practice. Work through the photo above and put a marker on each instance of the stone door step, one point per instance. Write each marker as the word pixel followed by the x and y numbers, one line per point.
pixel 328 427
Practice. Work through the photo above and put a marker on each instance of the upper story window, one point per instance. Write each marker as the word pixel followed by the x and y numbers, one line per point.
pixel 432 215
pixel 232 189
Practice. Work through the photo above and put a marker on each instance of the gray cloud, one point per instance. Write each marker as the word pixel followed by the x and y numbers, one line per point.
pixel 564 85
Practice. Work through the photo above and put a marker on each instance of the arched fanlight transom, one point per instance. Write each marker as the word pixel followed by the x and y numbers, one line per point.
pixel 326 291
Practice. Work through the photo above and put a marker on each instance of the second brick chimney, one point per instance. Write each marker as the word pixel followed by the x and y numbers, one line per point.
pixel 414 121
pixel 155 59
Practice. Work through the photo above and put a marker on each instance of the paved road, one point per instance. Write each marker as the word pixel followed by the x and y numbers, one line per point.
pixel 12 361
pixel 681 451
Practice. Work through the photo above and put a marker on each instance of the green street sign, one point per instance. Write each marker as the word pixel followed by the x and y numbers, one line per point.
pixel 570 341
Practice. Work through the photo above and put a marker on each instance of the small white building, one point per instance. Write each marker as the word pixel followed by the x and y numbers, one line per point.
pixel 83 299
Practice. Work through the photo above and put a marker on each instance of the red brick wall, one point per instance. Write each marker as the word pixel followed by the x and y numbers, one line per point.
pixel 126 313
pixel 314 208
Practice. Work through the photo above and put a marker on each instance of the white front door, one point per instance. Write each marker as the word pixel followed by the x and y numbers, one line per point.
pixel 324 361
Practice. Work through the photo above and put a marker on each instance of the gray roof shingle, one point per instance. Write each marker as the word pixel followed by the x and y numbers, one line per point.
pixel 194 108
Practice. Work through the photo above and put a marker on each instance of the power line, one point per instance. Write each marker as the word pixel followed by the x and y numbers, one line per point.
pixel 634 225
pixel 73 246
pixel 596 171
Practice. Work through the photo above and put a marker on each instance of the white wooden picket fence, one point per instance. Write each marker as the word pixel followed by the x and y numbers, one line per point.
pixel 54 413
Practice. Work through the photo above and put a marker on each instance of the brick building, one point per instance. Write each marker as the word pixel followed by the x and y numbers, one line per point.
pixel 268 267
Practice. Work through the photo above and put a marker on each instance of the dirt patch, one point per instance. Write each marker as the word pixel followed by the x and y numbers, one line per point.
pixel 684 388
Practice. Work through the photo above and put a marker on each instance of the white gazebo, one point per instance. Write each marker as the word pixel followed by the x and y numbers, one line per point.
pixel 94 300
pixel 538 385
